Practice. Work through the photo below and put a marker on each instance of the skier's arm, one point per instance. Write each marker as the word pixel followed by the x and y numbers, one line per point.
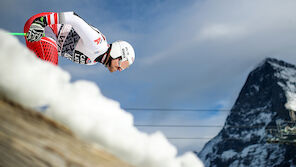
pixel 84 30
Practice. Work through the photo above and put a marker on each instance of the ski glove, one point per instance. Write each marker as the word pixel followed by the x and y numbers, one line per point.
pixel 36 31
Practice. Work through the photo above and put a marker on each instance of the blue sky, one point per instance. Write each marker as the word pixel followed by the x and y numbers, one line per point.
pixel 189 54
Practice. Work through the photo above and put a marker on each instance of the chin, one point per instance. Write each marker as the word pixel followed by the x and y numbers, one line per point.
pixel 111 70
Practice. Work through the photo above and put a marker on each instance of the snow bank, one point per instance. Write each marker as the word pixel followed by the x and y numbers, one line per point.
pixel 81 106
pixel 291 101
pixel 289 75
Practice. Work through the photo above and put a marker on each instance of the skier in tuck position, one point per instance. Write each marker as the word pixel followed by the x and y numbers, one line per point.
pixel 68 35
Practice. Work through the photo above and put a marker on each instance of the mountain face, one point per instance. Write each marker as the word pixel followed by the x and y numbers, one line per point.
pixel 259 105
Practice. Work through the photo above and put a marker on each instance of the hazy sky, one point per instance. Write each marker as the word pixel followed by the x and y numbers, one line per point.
pixel 189 54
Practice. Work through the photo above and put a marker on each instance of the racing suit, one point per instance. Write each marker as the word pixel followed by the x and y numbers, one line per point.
pixel 68 35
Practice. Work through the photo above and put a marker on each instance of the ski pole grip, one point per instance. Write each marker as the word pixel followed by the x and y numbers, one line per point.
pixel 17 33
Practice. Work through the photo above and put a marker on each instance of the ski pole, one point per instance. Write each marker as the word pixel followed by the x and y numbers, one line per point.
pixel 17 33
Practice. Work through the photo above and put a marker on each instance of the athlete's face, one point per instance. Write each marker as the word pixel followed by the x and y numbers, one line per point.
pixel 117 65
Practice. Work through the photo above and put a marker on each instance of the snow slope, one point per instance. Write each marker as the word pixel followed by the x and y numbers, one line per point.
pixel 81 106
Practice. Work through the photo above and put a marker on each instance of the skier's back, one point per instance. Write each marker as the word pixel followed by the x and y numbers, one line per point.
pixel 66 34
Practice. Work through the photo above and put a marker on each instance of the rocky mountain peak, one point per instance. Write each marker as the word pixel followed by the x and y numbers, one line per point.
pixel 260 103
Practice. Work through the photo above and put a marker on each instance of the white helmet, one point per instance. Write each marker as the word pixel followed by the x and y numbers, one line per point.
pixel 124 50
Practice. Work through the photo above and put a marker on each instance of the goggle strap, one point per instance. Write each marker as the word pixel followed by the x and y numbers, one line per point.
pixel 108 55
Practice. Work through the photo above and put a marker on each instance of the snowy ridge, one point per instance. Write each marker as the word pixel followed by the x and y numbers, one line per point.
pixel 264 99
pixel 81 107
pixel 209 148
pixel 287 82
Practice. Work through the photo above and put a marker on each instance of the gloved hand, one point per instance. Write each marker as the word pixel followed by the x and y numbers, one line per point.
pixel 36 31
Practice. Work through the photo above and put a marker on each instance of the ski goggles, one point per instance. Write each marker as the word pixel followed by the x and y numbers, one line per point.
pixel 123 64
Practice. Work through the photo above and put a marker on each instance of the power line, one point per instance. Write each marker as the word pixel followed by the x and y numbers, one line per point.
pixel 197 138
pixel 199 126
pixel 171 126
pixel 176 109
pixel 189 138
pixel 189 126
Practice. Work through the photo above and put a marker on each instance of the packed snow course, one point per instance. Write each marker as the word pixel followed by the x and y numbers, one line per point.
pixel 81 106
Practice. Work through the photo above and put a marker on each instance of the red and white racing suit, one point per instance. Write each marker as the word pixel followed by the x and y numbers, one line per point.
pixel 68 35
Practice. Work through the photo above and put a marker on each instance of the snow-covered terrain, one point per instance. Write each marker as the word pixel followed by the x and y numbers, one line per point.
pixel 267 96
pixel 81 106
